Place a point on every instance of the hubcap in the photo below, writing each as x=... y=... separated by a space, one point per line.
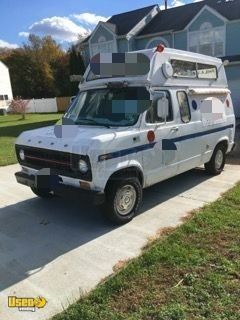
x=219 y=159
x=125 y=199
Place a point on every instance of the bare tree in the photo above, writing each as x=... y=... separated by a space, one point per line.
x=19 y=106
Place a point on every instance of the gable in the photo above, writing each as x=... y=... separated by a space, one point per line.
x=101 y=32
x=126 y=21
x=206 y=15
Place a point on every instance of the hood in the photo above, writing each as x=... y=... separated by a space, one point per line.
x=68 y=138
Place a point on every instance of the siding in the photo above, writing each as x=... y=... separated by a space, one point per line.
x=142 y=43
x=180 y=40
x=233 y=77
x=233 y=72
x=233 y=38
x=5 y=83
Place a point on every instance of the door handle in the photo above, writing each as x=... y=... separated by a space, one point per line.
x=174 y=129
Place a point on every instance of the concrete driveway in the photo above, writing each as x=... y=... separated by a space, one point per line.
x=60 y=248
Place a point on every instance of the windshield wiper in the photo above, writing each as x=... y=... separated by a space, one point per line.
x=92 y=121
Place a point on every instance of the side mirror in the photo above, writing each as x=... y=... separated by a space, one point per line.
x=72 y=98
x=163 y=108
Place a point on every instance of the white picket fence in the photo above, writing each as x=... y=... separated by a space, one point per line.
x=42 y=105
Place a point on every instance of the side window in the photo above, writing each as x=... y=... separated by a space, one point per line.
x=152 y=116
x=184 y=106
x=184 y=69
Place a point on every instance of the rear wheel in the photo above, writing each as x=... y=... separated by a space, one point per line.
x=42 y=192
x=217 y=162
x=123 y=199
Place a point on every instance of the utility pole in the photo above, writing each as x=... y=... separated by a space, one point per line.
x=165 y=2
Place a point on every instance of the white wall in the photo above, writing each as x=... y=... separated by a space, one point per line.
x=5 y=83
x=42 y=105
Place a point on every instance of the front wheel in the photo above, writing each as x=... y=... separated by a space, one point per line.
x=42 y=193
x=217 y=162
x=123 y=199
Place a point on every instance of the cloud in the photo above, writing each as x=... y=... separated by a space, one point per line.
x=5 y=44
x=88 y=18
x=60 y=28
x=173 y=4
x=24 y=34
x=177 y=3
x=65 y=29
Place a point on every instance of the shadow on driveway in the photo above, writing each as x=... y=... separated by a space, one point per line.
x=35 y=232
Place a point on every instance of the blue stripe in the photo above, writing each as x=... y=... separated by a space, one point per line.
x=200 y=134
x=122 y=153
x=167 y=144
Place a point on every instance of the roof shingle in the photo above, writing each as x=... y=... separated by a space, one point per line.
x=178 y=18
x=126 y=21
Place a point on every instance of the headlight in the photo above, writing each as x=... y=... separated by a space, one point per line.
x=83 y=166
x=21 y=154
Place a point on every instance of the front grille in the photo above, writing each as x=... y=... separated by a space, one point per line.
x=61 y=163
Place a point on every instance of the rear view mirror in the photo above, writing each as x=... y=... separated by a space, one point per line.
x=163 y=108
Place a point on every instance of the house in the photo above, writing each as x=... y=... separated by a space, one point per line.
x=210 y=27
x=5 y=85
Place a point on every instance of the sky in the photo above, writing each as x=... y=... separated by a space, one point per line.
x=64 y=20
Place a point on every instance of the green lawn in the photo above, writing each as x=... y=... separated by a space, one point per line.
x=192 y=272
x=12 y=125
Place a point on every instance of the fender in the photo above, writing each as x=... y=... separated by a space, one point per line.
x=224 y=139
x=107 y=172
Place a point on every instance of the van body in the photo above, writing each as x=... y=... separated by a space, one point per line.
x=134 y=123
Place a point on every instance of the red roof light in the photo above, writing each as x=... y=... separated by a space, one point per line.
x=160 y=48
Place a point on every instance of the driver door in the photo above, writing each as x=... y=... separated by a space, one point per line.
x=161 y=160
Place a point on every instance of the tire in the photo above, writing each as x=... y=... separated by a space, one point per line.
x=217 y=162
x=42 y=193
x=129 y=190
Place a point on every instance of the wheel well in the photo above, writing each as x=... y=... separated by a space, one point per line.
x=126 y=173
x=223 y=143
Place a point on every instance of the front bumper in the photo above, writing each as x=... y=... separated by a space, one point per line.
x=54 y=183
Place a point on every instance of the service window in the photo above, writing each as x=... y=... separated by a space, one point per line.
x=184 y=106
x=152 y=116
x=184 y=69
x=206 y=71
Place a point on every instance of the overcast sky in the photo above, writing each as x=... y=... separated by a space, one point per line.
x=64 y=20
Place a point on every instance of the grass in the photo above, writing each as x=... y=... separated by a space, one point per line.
x=12 y=125
x=192 y=272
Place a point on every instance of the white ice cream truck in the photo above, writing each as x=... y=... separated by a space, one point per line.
x=139 y=118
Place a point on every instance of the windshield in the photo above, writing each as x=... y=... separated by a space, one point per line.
x=109 y=106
